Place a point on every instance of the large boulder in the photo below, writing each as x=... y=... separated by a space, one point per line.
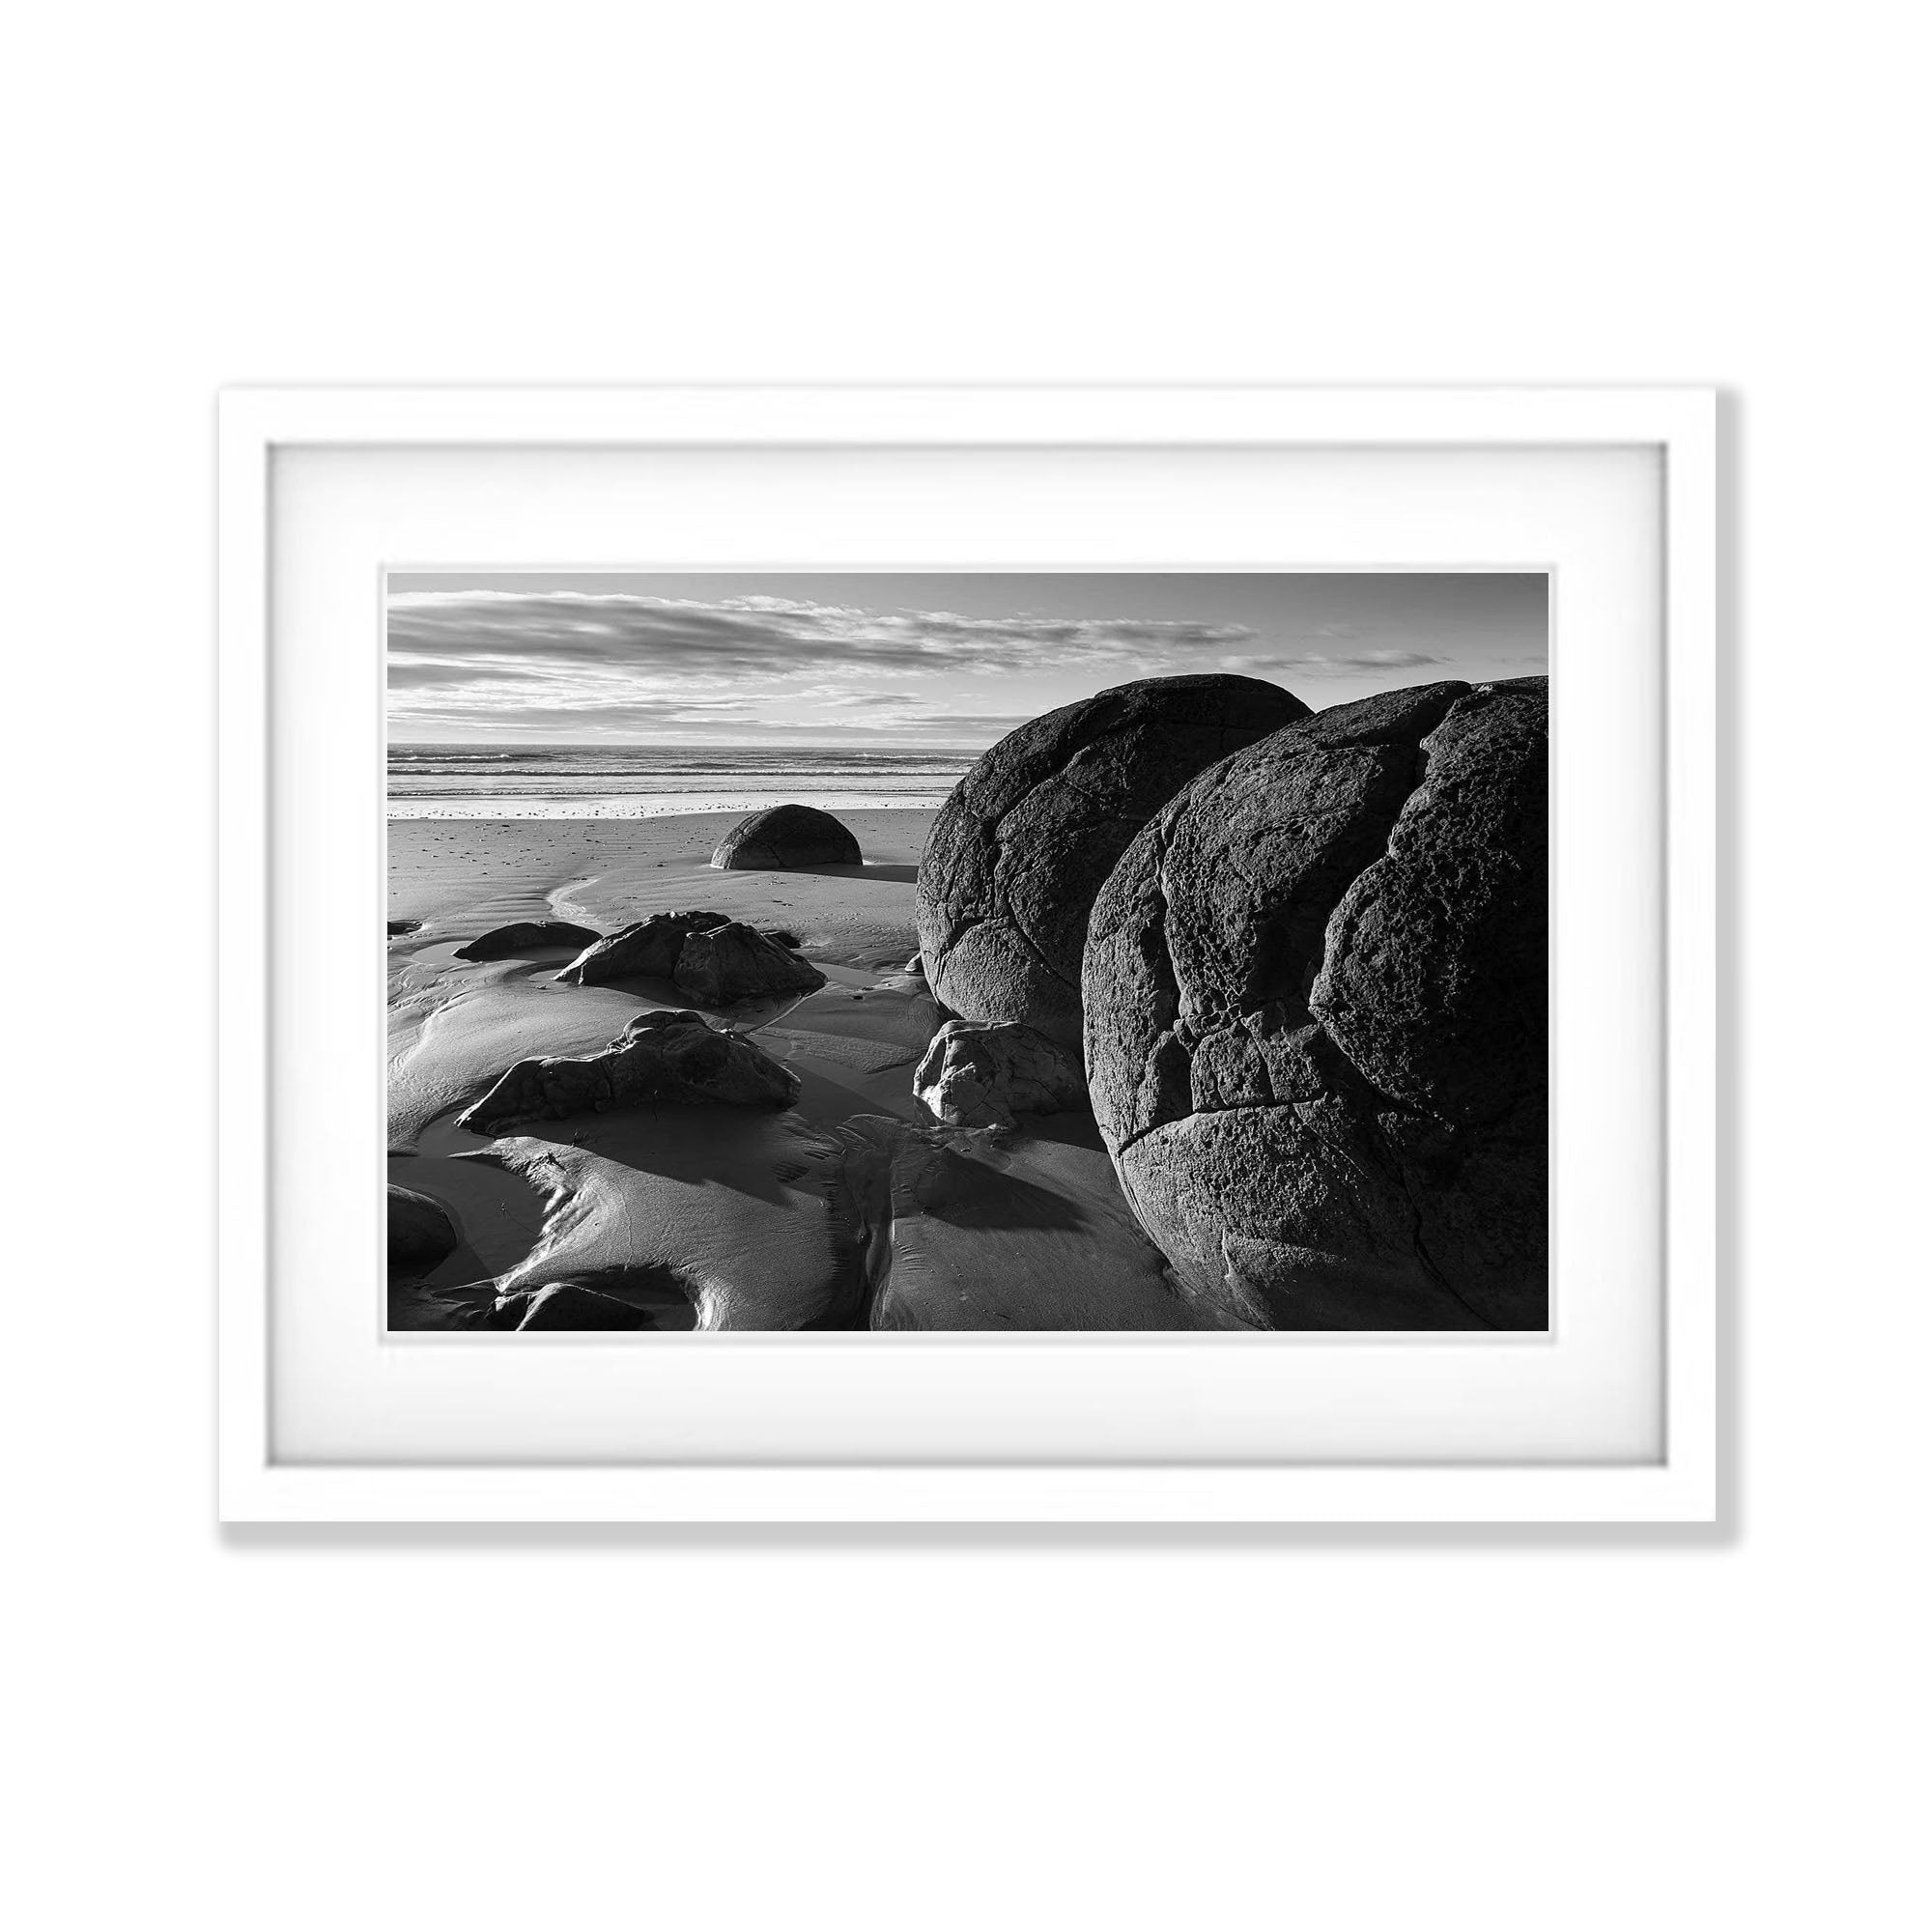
x=660 y=1058
x=421 y=1232
x=1025 y=838
x=723 y=964
x=1316 y=1018
x=648 y=948
x=783 y=839
x=986 y=1076
x=527 y=935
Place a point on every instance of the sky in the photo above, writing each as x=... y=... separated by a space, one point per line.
x=899 y=659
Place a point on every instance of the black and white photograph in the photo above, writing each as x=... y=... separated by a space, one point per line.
x=988 y=951
x=919 y=1022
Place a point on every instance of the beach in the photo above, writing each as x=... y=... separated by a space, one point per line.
x=851 y=1209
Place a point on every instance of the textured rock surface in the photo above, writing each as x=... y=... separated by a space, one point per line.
x=723 y=964
x=660 y=1057
x=648 y=949
x=509 y=942
x=784 y=837
x=976 y=1075
x=1028 y=835
x=1317 y=1017
x=421 y=1232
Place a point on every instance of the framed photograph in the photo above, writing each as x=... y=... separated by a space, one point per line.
x=968 y=955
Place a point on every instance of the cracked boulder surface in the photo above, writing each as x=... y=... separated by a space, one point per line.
x=783 y=837
x=1027 y=838
x=1316 y=990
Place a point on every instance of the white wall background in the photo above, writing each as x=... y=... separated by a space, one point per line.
x=423 y=1730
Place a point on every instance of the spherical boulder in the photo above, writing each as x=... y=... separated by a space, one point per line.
x=783 y=839
x=1020 y=847
x=1316 y=989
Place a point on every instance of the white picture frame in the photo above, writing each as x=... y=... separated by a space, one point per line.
x=879 y=435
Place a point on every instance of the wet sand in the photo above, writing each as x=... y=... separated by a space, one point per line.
x=850 y=1210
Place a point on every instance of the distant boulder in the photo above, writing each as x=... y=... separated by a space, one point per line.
x=984 y=1077
x=649 y=949
x=399 y=927
x=1024 y=839
x=723 y=964
x=661 y=1058
x=783 y=839
x=529 y=935
x=1316 y=1018
x=421 y=1232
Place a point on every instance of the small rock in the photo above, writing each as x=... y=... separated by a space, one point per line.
x=507 y=942
x=674 y=1058
x=648 y=948
x=785 y=838
x=399 y=927
x=727 y=963
x=421 y=1232
x=977 y=1075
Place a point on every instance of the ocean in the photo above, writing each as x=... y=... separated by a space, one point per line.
x=657 y=781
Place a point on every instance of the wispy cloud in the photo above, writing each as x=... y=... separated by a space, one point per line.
x=602 y=663
x=544 y=632
x=581 y=664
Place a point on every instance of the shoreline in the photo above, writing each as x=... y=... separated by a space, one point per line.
x=402 y=807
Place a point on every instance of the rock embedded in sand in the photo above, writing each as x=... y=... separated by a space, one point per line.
x=782 y=838
x=648 y=948
x=1317 y=1017
x=723 y=964
x=1029 y=835
x=399 y=927
x=660 y=1058
x=984 y=1077
x=421 y=1232
x=529 y=935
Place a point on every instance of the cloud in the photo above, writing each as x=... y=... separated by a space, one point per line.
x=1336 y=663
x=1362 y=664
x=537 y=633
